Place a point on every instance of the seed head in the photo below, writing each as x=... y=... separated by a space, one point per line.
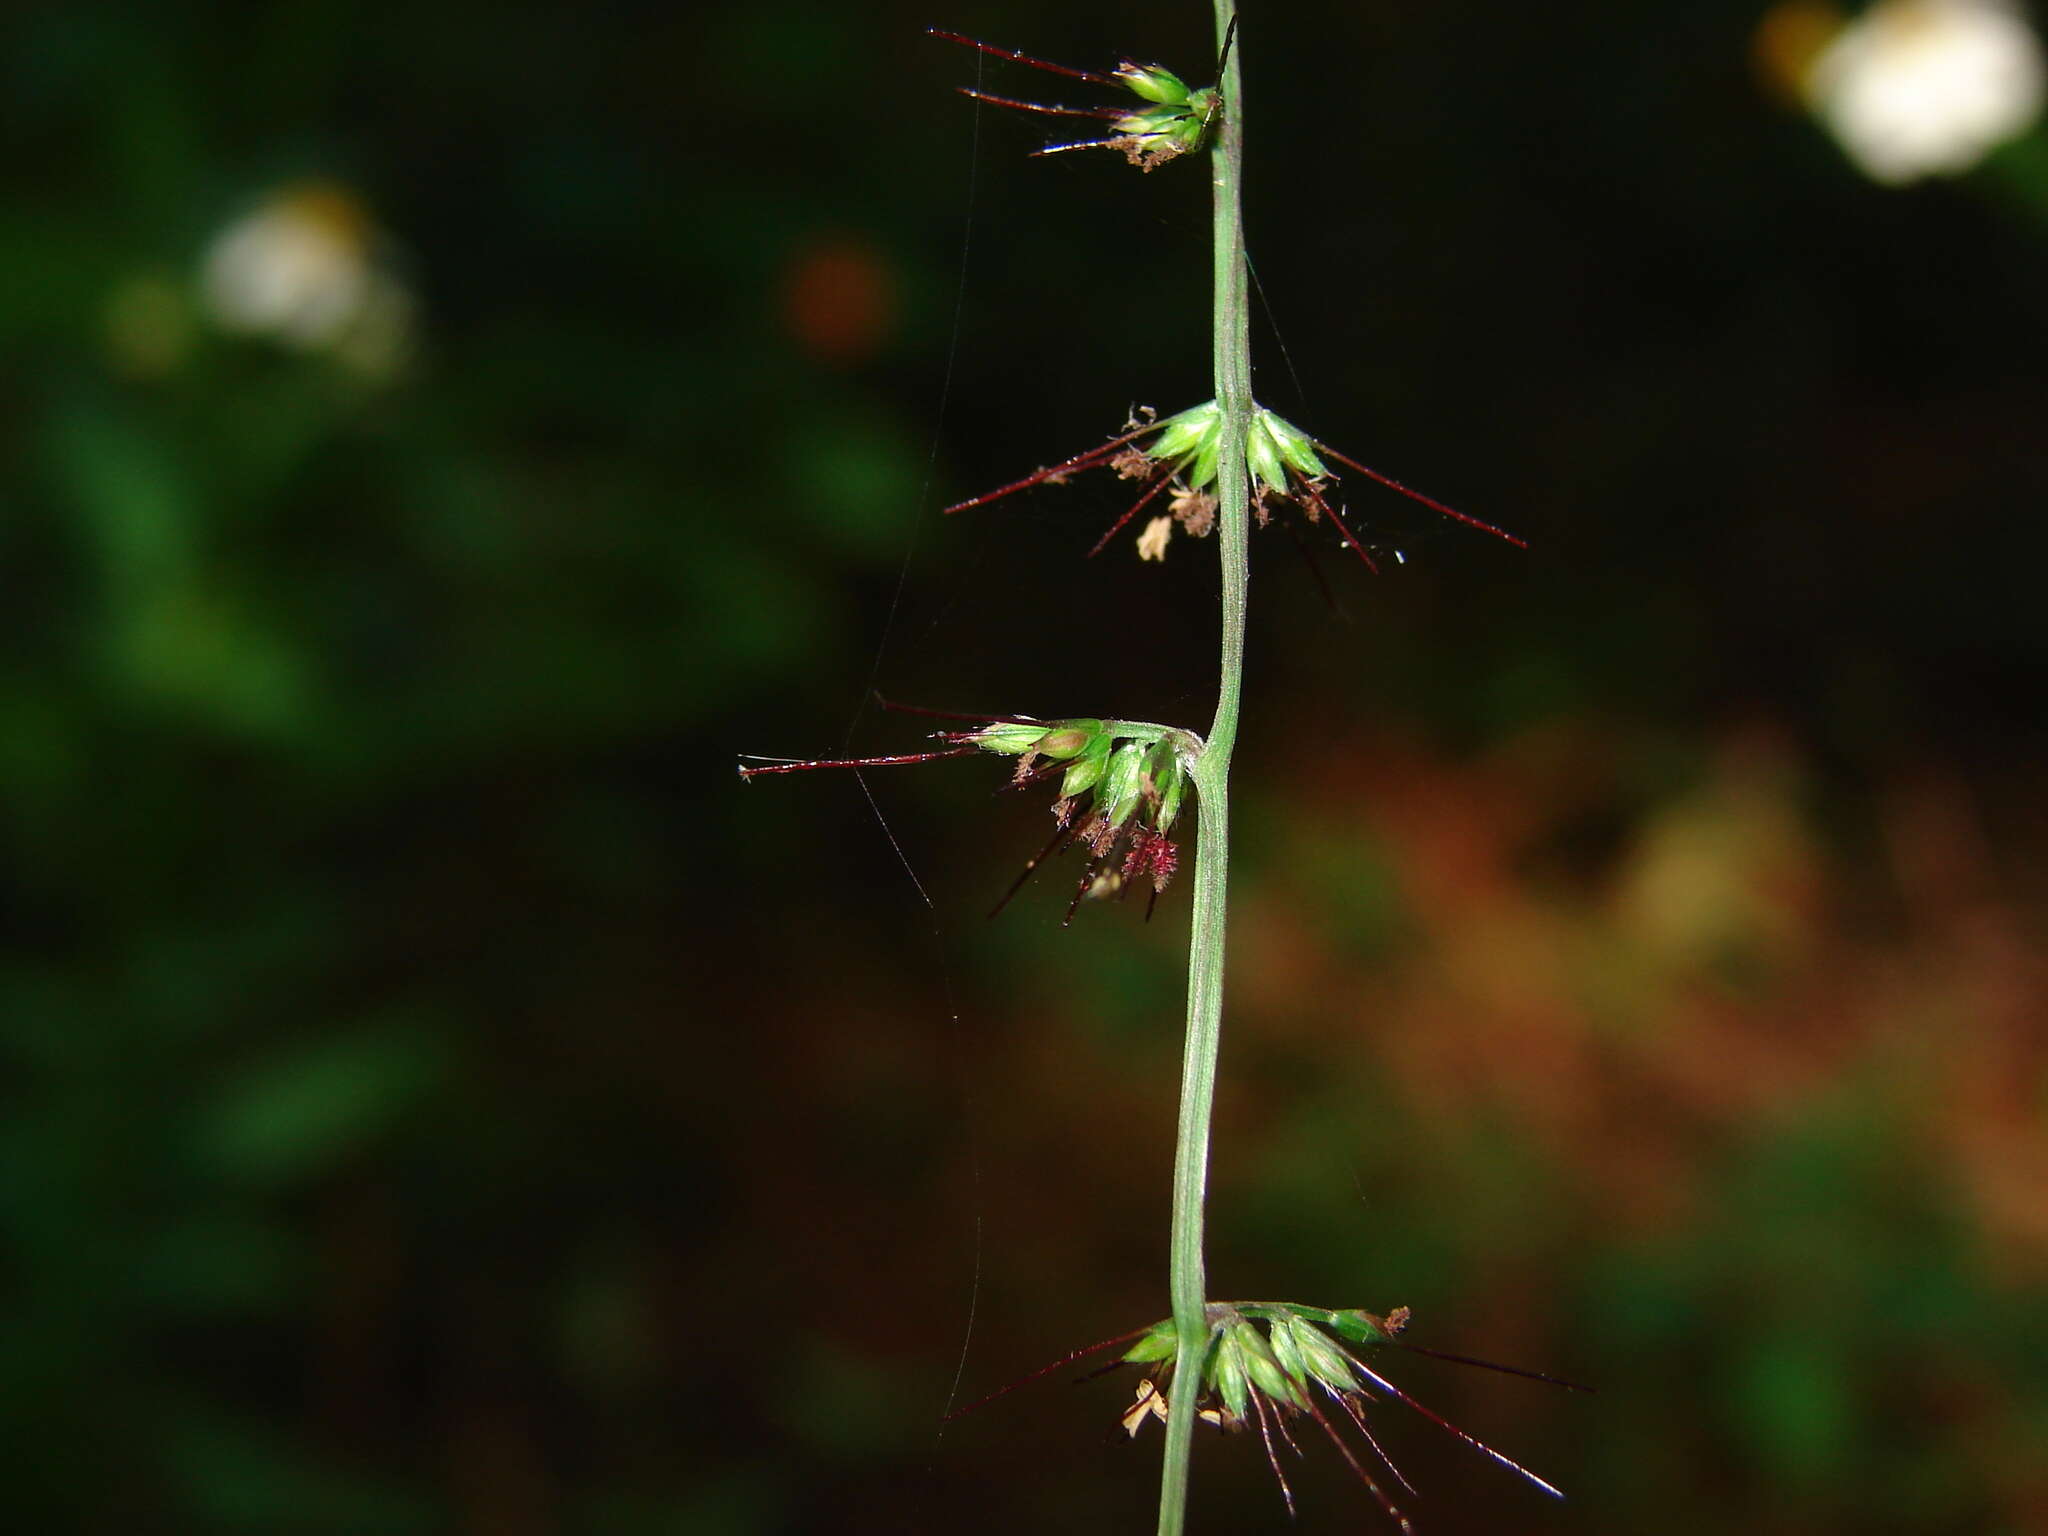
x=1271 y=1363
x=1180 y=456
x=1175 y=121
x=1121 y=790
x=1121 y=787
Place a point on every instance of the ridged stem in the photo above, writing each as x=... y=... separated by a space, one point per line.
x=1212 y=785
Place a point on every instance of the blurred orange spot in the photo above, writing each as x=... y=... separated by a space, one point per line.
x=839 y=300
x=1788 y=39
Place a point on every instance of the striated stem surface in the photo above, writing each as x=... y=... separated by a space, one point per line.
x=1212 y=783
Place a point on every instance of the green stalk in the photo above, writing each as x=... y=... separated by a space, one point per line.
x=1212 y=787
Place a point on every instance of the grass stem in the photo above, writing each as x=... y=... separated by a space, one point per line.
x=1232 y=320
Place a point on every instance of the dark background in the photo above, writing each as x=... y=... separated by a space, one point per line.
x=441 y=1098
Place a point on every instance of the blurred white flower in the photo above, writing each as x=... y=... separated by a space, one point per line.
x=304 y=270
x=1915 y=88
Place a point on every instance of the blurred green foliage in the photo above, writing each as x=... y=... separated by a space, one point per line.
x=439 y=1099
